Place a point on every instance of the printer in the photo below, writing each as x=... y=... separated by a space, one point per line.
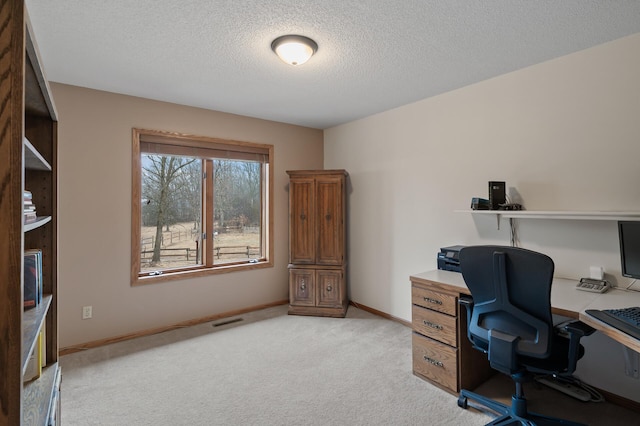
x=449 y=258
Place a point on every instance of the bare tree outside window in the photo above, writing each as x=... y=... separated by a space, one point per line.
x=171 y=211
x=236 y=213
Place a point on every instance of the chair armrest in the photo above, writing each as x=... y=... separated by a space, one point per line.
x=576 y=330
x=467 y=302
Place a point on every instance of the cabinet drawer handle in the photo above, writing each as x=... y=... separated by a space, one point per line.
x=432 y=325
x=433 y=361
x=434 y=301
x=328 y=288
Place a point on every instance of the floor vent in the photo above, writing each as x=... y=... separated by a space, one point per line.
x=231 y=321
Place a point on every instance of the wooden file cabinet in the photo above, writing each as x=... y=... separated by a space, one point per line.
x=442 y=353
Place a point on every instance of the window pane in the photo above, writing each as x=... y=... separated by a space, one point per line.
x=171 y=222
x=237 y=208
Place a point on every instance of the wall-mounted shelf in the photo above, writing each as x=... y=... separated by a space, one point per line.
x=556 y=214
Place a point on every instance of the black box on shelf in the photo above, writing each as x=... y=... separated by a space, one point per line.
x=497 y=194
x=478 y=203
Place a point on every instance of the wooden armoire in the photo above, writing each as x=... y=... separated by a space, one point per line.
x=317 y=234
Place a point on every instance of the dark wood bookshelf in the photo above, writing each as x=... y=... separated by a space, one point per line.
x=28 y=161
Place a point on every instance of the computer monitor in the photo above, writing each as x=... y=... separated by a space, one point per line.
x=629 y=235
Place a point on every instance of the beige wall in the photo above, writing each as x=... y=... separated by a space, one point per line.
x=564 y=135
x=95 y=214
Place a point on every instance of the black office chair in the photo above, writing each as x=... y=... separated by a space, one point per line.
x=510 y=320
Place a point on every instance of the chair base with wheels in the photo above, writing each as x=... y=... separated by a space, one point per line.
x=517 y=413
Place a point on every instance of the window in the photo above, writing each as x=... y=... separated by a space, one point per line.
x=199 y=206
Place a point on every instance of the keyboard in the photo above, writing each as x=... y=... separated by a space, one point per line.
x=626 y=320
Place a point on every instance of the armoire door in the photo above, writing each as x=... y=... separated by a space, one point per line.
x=330 y=220
x=302 y=241
x=302 y=287
x=329 y=288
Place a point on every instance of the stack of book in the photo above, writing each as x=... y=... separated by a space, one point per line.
x=29 y=207
x=32 y=278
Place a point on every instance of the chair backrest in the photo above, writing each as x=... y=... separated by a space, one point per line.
x=511 y=290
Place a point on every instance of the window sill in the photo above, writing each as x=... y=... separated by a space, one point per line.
x=202 y=272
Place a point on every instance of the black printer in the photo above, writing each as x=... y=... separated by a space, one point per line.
x=449 y=258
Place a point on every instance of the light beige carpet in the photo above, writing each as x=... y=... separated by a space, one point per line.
x=271 y=368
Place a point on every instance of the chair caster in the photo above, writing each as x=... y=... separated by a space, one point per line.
x=462 y=402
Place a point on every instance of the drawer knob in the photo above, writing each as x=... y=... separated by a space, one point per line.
x=434 y=301
x=432 y=325
x=328 y=288
x=433 y=361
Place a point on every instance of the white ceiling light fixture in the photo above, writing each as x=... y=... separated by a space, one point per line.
x=294 y=49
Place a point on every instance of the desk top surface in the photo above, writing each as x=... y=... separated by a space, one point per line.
x=565 y=300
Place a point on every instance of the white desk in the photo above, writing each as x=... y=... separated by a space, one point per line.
x=565 y=300
x=613 y=299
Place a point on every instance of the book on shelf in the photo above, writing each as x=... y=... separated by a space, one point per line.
x=54 y=407
x=43 y=347
x=34 y=365
x=32 y=278
x=31 y=373
x=29 y=209
x=30 y=217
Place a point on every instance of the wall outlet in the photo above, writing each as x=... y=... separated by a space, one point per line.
x=87 y=312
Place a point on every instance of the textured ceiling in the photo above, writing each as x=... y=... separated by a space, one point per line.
x=373 y=55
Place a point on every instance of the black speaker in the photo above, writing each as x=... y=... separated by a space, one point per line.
x=497 y=194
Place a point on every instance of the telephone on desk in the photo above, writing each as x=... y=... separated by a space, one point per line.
x=593 y=285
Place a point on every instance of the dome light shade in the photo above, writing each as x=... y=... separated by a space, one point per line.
x=294 y=49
